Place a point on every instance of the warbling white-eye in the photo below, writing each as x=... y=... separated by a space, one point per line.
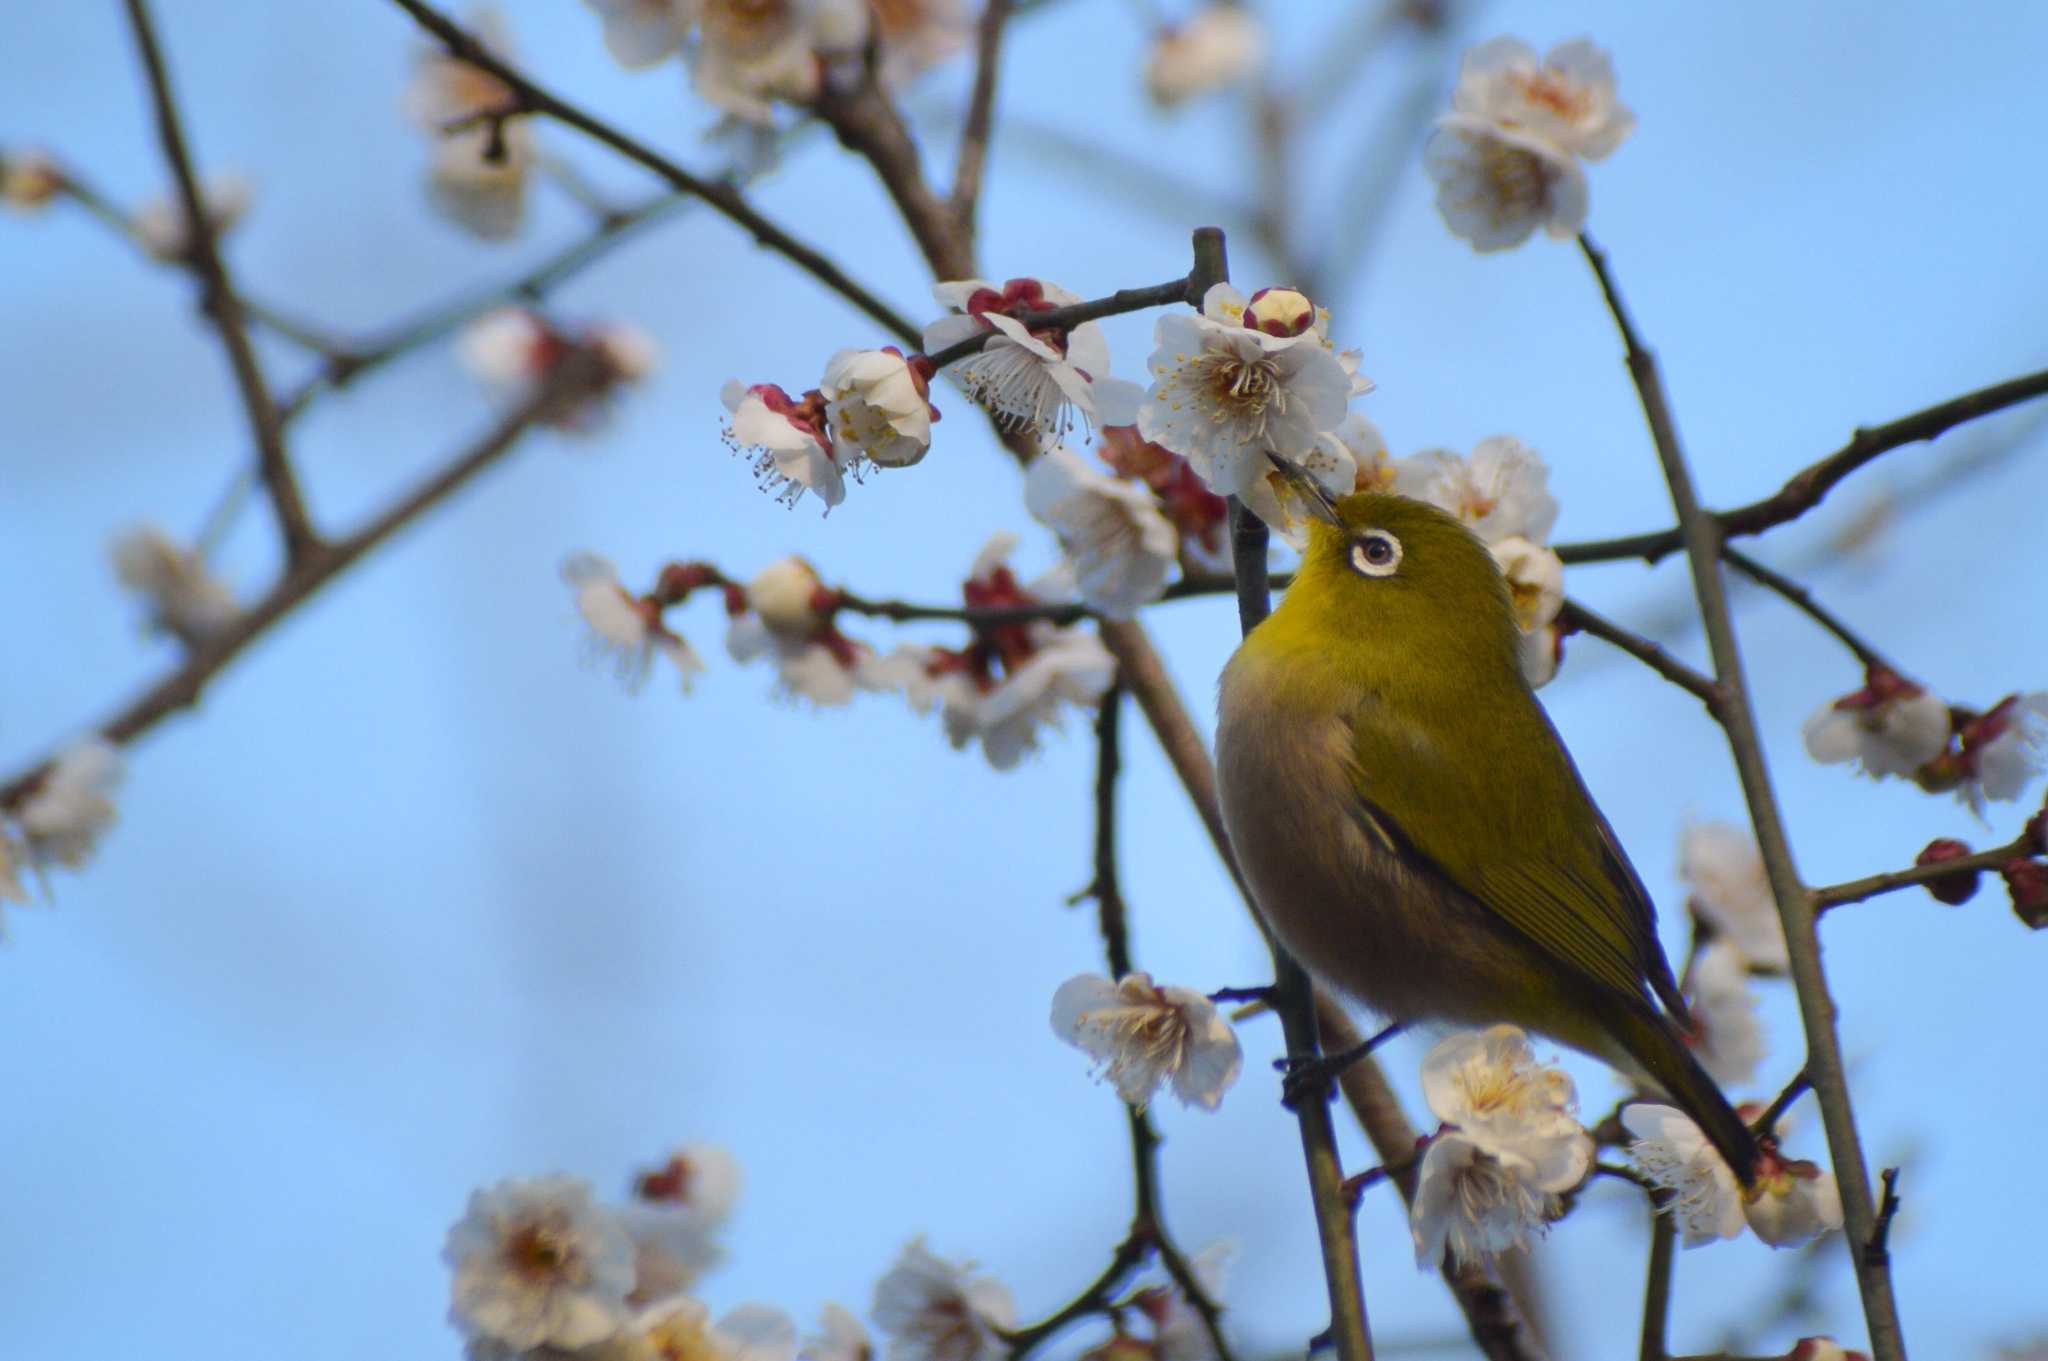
x=1412 y=827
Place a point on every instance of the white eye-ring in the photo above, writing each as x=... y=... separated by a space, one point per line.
x=1376 y=553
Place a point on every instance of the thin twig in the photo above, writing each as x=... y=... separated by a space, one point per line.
x=724 y=199
x=1856 y=890
x=981 y=106
x=1104 y=886
x=1767 y=1123
x=1806 y=488
x=182 y=688
x=1703 y=534
x=1577 y=616
x=1877 y=1250
x=1802 y=599
x=1657 y=1280
x=221 y=303
x=1066 y=318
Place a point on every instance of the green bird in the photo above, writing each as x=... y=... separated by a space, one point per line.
x=1410 y=823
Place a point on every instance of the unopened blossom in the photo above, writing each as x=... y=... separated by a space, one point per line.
x=539 y=1263
x=29 y=179
x=840 y=1337
x=1111 y=528
x=1730 y=891
x=1567 y=97
x=930 y=1309
x=1672 y=1152
x=1891 y=726
x=71 y=805
x=1495 y=185
x=1178 y=1330
x=789 y=441
x=1793 y=1202
x=2001 y=750
x=625 y=629
x=1031 y=378
x=789 y=619
x=482 y=160
x=877 y=406
x=1730 y=1039
x=1219 y=46
x=185 y=600
x=1501 y=489
x=673 y=1217
x=1478 y=1198
x=162 y=229
x=752 y=54
x=1827 y=1349
x=1224 y=395
x=643 y=33
x=681 y=1329
x=1143 y=1035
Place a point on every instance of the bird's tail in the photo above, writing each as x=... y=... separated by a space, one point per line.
x=1655 y=1044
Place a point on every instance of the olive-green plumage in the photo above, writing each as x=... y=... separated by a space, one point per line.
x=1410 y=823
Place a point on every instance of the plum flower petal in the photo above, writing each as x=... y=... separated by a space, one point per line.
x=185 y=599
x=877 y=408
x=539 y=1263
x=1730 y=1043
x=1496 y=184
x=72 y=805
x=930 y=1309
x=1144 y=1035
x=1793 y=1203
x=1219 y=46
x=624 y=629
x=643 y=33
x=1500 y=490
x=1674 y=1154
x=1724 y=871
x=1477 y=1199
x=1567 y=98
x=1121 y=546
x=1891 y=726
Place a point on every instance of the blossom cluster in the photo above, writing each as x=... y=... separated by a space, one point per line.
x=1893 y=726
x=1506 y=159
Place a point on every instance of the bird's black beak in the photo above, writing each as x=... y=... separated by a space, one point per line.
x=1316 y=500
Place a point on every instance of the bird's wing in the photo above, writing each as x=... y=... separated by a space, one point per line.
x=1514 y=827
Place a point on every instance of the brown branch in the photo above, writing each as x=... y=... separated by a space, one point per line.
x=183 y=687
x=1104 y=885
x=981 y=107
x=1703 y=535
x=868 y=124
x=1810 y=485
x=1856 y=890
x=1657 y=1280
x=220 y=302
x=1801 y=599
x=724 y=199
x=1577 y=616
x=1066 y=318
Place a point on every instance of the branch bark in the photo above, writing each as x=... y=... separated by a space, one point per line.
x=980 y=123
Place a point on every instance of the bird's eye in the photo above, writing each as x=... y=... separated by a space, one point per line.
x=1376 y=553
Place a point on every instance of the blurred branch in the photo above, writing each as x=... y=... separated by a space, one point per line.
x=981 y=106
x=183 y=687
x=1802 y=599
x=221 y=304
x=868 y=123
x=1856 y=890
x=1810 y=485
x=724 y=199
x=1703 y=535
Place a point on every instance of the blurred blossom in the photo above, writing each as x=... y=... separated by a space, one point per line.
x=29 y=179
x=1030 y=378
x=625 y=629
x=750 y=54
x=643 y=33
x=539 y=1263
x=1827 y=1349
x=1672 y=1152
x=840 y=1337
x=1793 y=1202
x=1535 y=579
x=681 y=1329
x=1567 y=98
x=1219 y=46
x=2001 y=750
x=1891 y=726
x=12 y=856
x=513 y=349
x=789 y=619
x=185 y=600
x=1724 y=872
x=1496 y=185
x=1121 y=546
x=930 y=1309
x=71 y=805
x=877 y=405
x=1178 y=1332
x=1143 y=1034
x=482 y=159
x=916 y=34
x=787 y=439
x=1500 y=490
x=1489 y=1084
x=163 y=230
x=1478 y=1199
x=1730 y=1041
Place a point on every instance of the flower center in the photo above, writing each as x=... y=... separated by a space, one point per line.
x=1562 y=97
x=1241 y=389
x=536 y=1253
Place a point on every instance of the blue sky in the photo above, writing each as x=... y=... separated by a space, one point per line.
x=416 y=901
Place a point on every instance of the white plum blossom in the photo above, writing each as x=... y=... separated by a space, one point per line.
x=1030 y=378
x=1730 y=1043
x=681 y=1329
x=29 y=179
x=1729 y=890
x=482 y=166
x=916 y=34
x=876 y=405
x=1891 y=726
x=1499 y=490
x=162 y=229
x=1220 y=45
x=840 y=1337
x=750 y=54
x=1144 y=1034
x=1567 y=98
x=1792 y=1203
x=511 y=349
x=813 y=659
x=1489 y=1084
x=2003 y=749
x=185 y=600
x=643 y=33
x=71 y=805
x=539 y=1263
x=1478 y=1198
x=1535 y=578
x=930 y=1309
x=625 y=629
x=1225 y=394
x=1496 y=185
x=1067 y=666
x=1673 y=1153
x=673 y=1217
x=1121 y=546
x=789 y=441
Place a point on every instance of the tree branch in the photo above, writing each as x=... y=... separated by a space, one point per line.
x=1657 y=1280
x=1577 y=616
x=724 y=199
x=1066 y=318
x=1703 y=534
x=1856 y=890
x=981 y=107
x=1802 y=599
x=220 y=302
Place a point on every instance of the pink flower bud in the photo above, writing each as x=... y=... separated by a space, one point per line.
x=1953 y=889
x=1281 y=312
x=2027 y=881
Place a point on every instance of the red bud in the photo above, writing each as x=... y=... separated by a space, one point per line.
x=2027 y=881
x=1955 y=888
